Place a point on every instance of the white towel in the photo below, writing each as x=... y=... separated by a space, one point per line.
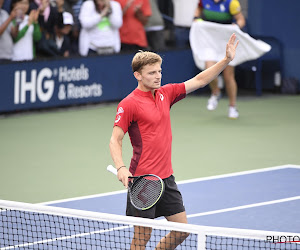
x=208 y=42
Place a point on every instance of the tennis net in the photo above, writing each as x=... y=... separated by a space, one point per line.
x=31 y=226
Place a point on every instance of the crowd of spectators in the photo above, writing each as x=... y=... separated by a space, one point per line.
x=32 y=29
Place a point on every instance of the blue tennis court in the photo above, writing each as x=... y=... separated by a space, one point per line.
x=264 y=199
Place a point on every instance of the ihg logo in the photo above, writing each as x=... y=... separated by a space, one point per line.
x=39 y=86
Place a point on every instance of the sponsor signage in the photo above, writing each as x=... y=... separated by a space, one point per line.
x=65 y=82
x=35 y=85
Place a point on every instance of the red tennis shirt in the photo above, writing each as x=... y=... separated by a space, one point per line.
x=149 y=127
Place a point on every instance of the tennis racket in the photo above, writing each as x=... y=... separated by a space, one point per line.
x=144 y=191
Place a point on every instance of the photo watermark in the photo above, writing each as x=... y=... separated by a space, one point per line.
x=283 y=238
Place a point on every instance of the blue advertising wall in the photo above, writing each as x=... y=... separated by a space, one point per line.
x=56 y=83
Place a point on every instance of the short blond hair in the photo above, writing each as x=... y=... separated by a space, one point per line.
x=143 y=58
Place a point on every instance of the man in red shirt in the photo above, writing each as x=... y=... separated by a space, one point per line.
x=135 y=16
x=145 y=115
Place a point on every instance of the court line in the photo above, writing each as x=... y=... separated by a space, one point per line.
x=244 y=207
x=83 y=197
x=255 y=171
x=179 y=183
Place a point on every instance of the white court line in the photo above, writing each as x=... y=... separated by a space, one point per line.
x=83 y=197
x=179 y=182
x=238 y=173
x=244 y=207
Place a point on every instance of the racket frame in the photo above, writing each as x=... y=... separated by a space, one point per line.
x=113 y=170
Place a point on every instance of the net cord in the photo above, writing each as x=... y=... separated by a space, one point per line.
x=201 y=231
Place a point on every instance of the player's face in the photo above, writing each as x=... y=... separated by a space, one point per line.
x=150 y=76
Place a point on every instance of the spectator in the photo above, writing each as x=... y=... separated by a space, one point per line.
x=155 y=28
x=224 y=12
x=183 y=19
x=6 y=28
x=135 y=17
x=62 y=38
x=26 y=31
x=49 y=17
x=73 y=7
x=100 y=23
x=74 y=36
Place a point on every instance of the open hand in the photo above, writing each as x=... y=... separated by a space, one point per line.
x=33 y=17
x=14 y=12
x=231 y=47
x=106 y=10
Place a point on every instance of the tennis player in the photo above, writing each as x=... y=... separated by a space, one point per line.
x=145 y=115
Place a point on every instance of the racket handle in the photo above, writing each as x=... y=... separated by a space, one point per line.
x=112 y=169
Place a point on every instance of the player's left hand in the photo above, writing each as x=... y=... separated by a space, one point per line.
x=231 y=47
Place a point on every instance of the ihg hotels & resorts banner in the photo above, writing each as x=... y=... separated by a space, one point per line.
x=43 y=84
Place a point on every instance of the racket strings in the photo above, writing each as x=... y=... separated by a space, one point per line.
x=146 y=191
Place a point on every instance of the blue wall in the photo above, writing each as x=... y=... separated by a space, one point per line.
x=56 y=83
x=280 y=19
